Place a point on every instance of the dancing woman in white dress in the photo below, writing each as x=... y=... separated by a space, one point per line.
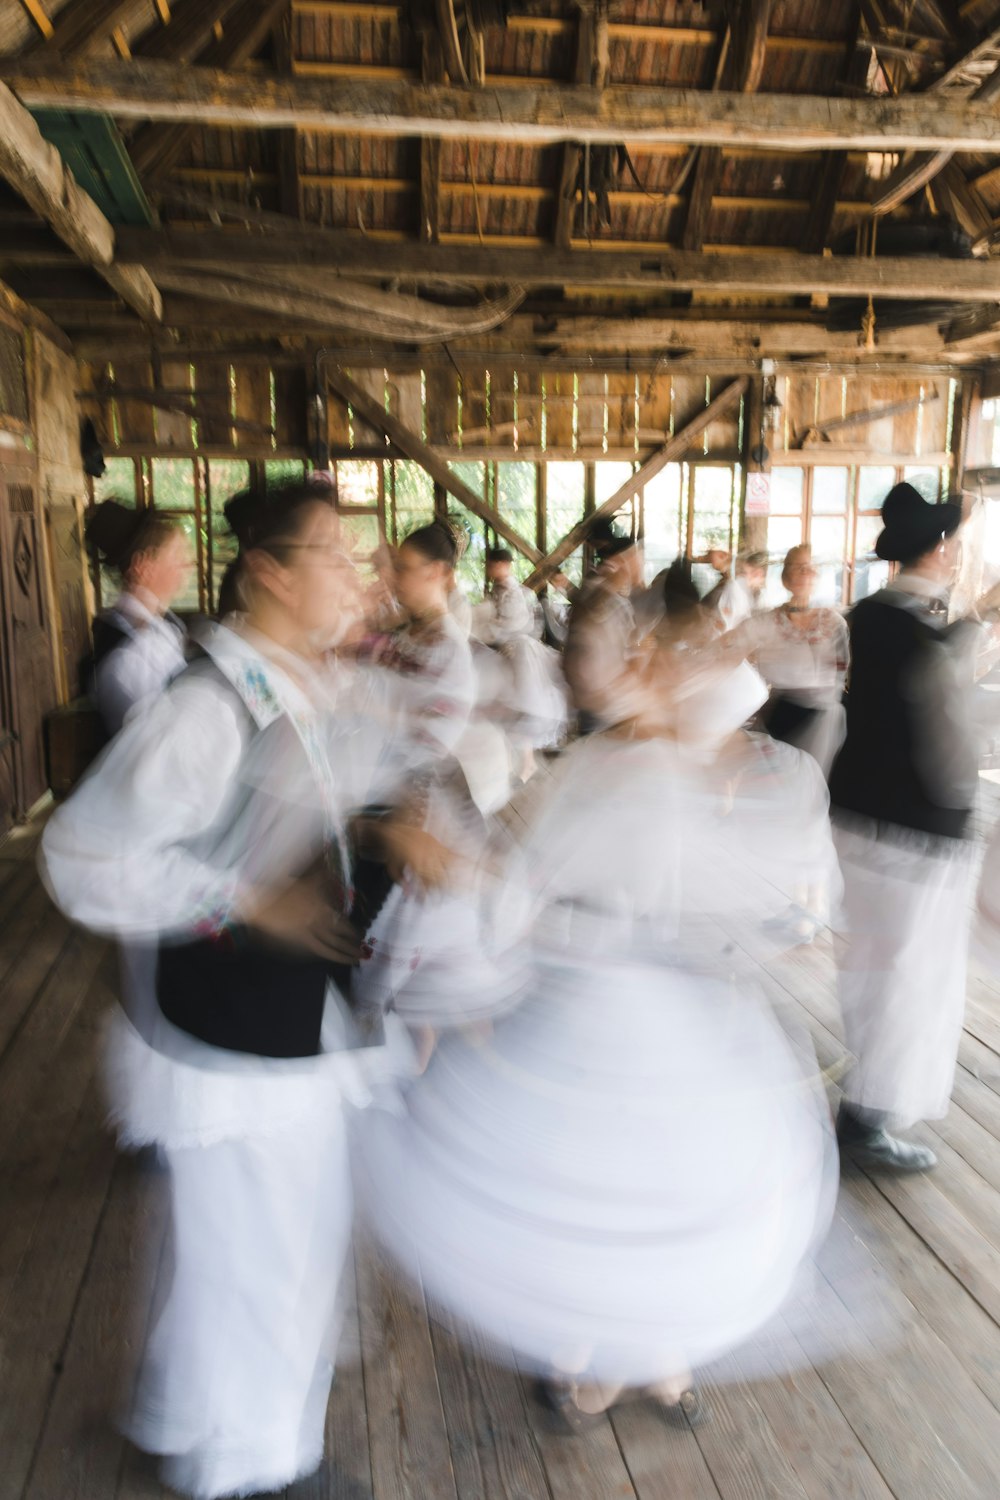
x=620 y=1179
x=210 y=840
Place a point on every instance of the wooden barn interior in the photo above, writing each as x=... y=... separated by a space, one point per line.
x=724 y=269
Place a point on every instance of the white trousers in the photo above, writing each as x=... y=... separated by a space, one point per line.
x=237 y=1371
x=902 y=973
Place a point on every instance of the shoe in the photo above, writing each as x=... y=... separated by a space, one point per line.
x=558 y=1398
x=687 y=1411
x=864 y=1139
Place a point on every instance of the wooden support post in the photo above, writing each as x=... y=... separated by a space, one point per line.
x=35 y=169
x=414 y=447
x=673 y=449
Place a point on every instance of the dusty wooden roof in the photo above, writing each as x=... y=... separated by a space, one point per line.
x=465 y=216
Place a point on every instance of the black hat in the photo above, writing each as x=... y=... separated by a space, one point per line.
x=912 y=524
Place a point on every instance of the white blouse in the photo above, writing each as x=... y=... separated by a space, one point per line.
x=143 y=665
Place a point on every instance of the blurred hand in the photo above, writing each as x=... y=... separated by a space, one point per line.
x=414 y=857
x=302 y=916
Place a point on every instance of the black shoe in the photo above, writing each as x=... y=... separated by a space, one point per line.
x=687 y=1411
x=558 y=1400
x=865 y=1140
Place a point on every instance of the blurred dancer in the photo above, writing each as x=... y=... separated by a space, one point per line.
x=138 y=643
x=211 y=842
x=601 y=636
x=621 y=1177
x=802 y=653
x=737 y=594
x=902 y=789
x=529 y=693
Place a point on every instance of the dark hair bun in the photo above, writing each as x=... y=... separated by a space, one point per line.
x=113 y=529
x=436 y=542
x=257 y=517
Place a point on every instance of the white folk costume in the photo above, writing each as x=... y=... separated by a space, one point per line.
x=138 y=651
x=232 y=1057
x=805 y=668
x=601 y=639
x=452 y=769
x=902 y=790
x=621 y=1177
x=525 y=689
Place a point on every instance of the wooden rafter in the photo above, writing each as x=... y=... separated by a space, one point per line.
x=672 y=450
x=746 y=54
x=539 y=114
x=919 y=169
x=834 y=163
x=649 y=270
x=432 y=71
x=289 y=187
x=155 y=149
x=410 y=443
x=35 y=169
x=590 y=66
x=40 y=17
x=83 y=26
x=192 y=23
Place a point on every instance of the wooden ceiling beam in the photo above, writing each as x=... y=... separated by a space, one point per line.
x=35 y=169
x=544 y=114
x=652 y=269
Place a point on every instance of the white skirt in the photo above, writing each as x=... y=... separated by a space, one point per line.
x=623 y=1179
x=902 y=971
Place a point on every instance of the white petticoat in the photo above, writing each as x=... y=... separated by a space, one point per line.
x=623 y=1179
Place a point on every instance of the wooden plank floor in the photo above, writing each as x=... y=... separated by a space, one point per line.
x=416 y=1415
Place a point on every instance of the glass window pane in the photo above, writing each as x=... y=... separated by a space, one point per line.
x=874 y=483
x=783 y=532
x=283 y=470
x=927 y=481
x=828 y=536
x=414 y=497
x=787 y=488
x=357 y=482
x=516 y=499
x=117 y=482
x=471 y=473
x=829 y=491
x=662 y=519
x=609 y=477
x=714 y=493
x=173 y=484
x=359 y=536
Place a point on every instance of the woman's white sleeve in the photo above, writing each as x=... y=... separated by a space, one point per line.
x=114 y=856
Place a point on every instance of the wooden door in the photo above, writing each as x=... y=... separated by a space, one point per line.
x=29 y=689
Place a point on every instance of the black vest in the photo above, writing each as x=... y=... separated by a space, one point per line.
x=233 y=990
x=877 y=774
